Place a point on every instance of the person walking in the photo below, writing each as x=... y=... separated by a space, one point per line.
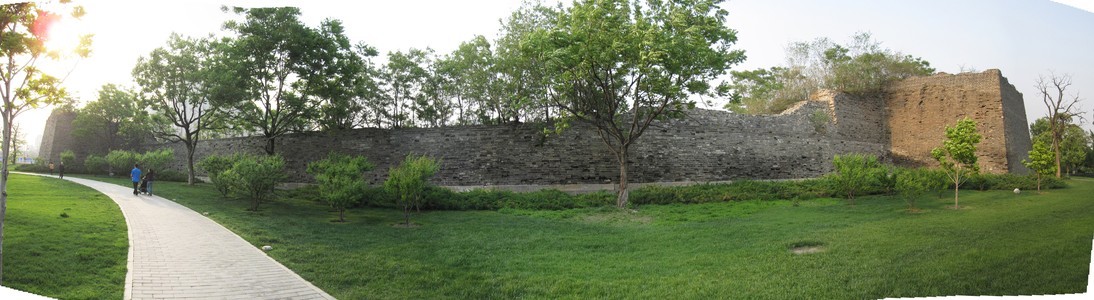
x=136 y=176
x=51 y=168
x=148 y=181
x=61 y=170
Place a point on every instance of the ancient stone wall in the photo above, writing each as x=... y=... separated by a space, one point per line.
x=920 y=109
x=57 y=136
x=705 y=146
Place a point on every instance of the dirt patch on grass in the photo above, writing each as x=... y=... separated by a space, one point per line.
x=807 y=250
x=807 y=247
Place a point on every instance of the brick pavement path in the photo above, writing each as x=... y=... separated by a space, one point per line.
x=176 y=253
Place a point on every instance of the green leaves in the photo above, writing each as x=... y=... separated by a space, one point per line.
x=408 y=181
x=340 y=178
x=957 y=156
x=254 y=177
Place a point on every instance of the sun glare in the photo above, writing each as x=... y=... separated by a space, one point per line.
x=64 y=35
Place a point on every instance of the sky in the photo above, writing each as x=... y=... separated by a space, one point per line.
x=1022 y=38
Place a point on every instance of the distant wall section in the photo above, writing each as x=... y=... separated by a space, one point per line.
x=57 y=136
x=921 y=108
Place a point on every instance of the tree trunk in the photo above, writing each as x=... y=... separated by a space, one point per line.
x=269 y=145
x=1056 y=147
x=4 y=184
x=342 y=215
x=1038 y=183
x=956 y=184
x=621 y=197
x=190 y=163
x=406 y=214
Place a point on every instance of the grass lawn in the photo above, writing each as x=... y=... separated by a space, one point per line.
x=63 y=240
x=998 y=244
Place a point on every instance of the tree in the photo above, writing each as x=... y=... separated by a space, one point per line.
x=24 y=29
x=255 y=177
x=1061 y=108
x=180 y=82
x=957 y=156
x=912 y=184
x=340 y=77
x=341 y=180
x=269 y=58
x=155 y=159
x=18 y=139
x=619 y=66
x=404 y=75
x=409 y=180
x=1074 y=142
x=112 y=122
x=855 y=173
x=1041 y=161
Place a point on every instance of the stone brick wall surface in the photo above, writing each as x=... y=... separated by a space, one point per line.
x=57 y=136
x=921 y=108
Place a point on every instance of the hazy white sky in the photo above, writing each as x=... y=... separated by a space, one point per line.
x=1023 y=38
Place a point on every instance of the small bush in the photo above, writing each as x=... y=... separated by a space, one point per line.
x=120 y=161
x=408 y=182
x=858 y=174
x=341 y=180
x=68 y=158
x=156 y=159
x=1010 y=181
x=214 y=166
x=172 y=175
x=912 y=184
x=255 y=177
x=95 y=164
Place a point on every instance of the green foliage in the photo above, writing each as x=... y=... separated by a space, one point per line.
x=855 y=173
x=254 y=177
x=407 y=183
x=156 y=159
x=121 y=161
x=1042 y=161
x=860 y=67
x=340 y=178
x=957 y=156
x=214 y=166
x=114 y=121
x=618 y=65
x=69 y=159
x=1006 y=182
x=95 y=164
x=912 y=184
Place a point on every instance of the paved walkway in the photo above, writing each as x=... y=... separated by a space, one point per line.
x=176 y=253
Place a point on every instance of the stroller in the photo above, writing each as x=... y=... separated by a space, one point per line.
x=143 y=187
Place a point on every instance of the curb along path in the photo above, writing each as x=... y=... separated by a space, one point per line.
x=175 y=252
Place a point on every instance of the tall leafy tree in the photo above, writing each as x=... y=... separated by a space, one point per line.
x=179 y=83
x=1061 y=108
x=23 y=32
x=269 y=57
x=519 y=89
x=404 y=75
x=1074 y=142
x=339 y=78
x=620 y=65
x=114 y=121
x=957 y=155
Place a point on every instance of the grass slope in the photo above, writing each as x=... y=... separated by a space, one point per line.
x=81 y=256
x=1000 y=244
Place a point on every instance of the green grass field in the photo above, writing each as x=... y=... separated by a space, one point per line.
x=81 y=255
x=998 y=244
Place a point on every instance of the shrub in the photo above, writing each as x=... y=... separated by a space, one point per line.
x=407 y=183
x=155 y=159
x=68 y=158
x=255 y=177
x=340 y=179
x=120 y=161
x=1010 y=182
x=39 y=166
x=856 y=174
x=96 y=164
x=214 y=166
x=912 y=184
